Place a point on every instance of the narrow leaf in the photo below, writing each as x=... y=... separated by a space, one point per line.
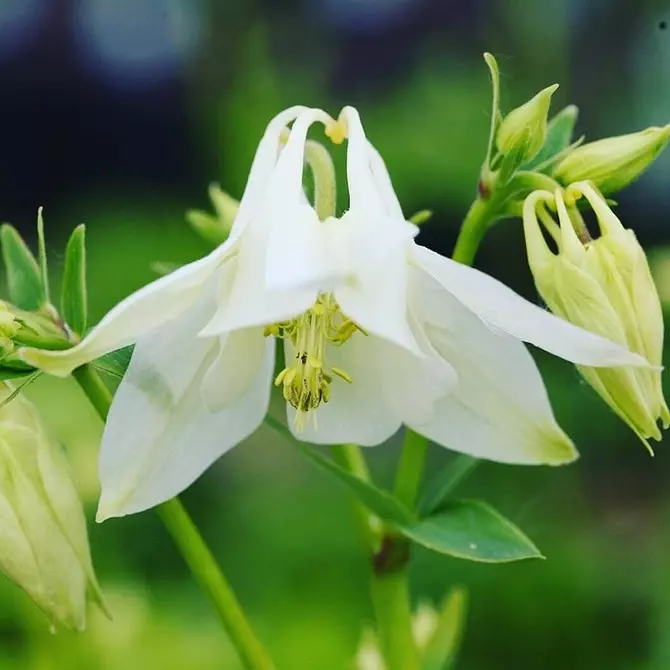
x=42 y=254
x=559 y=136
x=7 y=373
x=21 y=387
x=472 y=530
x=441 y=486
x=378 y=501
x=115 y=363
x=442 y=647
x=73 y=291
x=24 y=282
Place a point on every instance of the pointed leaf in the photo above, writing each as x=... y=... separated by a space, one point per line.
x=115 y=363
x=472 y=530
x=378 y=501
x=559 y=136
x=442 y=647
x=7 y=373
x=73 y=291
x=24 y=281
x=42 y=253
x=446 y=480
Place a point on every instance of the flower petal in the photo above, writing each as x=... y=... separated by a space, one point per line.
x=504 y=310
x=160 y=436
x=501 y=410
x=356 y=412
x=262 y=167
x=382 y=180
x=138 y=314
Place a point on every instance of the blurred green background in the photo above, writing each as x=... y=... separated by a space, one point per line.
x=119 y=113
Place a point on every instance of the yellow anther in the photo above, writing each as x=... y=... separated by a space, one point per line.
x=336 y=131
x=306 y=382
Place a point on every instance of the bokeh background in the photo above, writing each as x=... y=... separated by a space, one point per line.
x=119 y=113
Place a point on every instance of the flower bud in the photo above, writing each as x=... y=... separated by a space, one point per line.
x=8 y=329
x=605 y=286
x=215 y=229
x=524 y=130
x=613 y=163
x=43 y=540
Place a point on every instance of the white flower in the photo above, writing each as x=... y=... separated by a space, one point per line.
x=378 y=332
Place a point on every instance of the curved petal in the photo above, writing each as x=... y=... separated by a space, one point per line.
x=160 y=436
x=376 y=299
x=141 y=312
x=382 y=179
x=500 y=410
x=356 y=412
x=262 y=167
x=504 y=310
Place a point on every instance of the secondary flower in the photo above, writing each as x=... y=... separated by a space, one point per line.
x=43 y=540
x=603 y=285
x=377 y=332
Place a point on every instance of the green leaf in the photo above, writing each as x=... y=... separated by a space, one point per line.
x=73 y=291
x=42 y=253
x=24 y=281
x=7 y=373
x=33 y=376
x=559 y=136
x=115 y=363
x=472 y=530
x=443 y=645
x=378 y=501
x=441 y=486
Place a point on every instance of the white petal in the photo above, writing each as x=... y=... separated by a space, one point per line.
x=356 y=412
x=138 y=314
x=160 y=436
x=500 y=410
x=384 y=186
x=504 y=310
x=249 y=303
x=262 y=167
x=235 y=369
x=413 y=385
x=376 y=299
x=363 y=194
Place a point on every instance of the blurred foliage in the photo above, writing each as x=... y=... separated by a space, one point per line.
x=280 y=528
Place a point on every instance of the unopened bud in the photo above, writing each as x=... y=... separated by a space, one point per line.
x=43 y=540
x=605 y=286
x=524 y=130
x=613 y=163
x=9 y=327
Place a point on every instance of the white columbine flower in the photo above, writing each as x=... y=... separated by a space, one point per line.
x=377 y=331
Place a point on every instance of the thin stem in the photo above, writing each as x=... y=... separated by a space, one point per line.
x=350 y=457
x=410 y=469
x=474 y=227
x=390 y=597
x=193 y=548
x=207 y=573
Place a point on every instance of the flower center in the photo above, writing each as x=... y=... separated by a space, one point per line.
x=306 y=382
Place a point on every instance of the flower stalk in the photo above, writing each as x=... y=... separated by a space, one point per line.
x=192 y=547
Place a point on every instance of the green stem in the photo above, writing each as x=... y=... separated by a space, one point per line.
x=390 y=597
x=475 y=225
x=193 y=548
x=410 y=468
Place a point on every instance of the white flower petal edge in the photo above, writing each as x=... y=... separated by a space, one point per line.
x=504 y=310
x=164 y=299
x=500 y=410
x=161 y=434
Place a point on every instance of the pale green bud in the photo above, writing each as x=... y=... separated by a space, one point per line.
x=9 y=327
x=524 y=130
x=215 y=229
x=613 y=163
x=604 y=286
x=43 y=540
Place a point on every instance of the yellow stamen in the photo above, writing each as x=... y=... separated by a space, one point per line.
x=306 y=382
